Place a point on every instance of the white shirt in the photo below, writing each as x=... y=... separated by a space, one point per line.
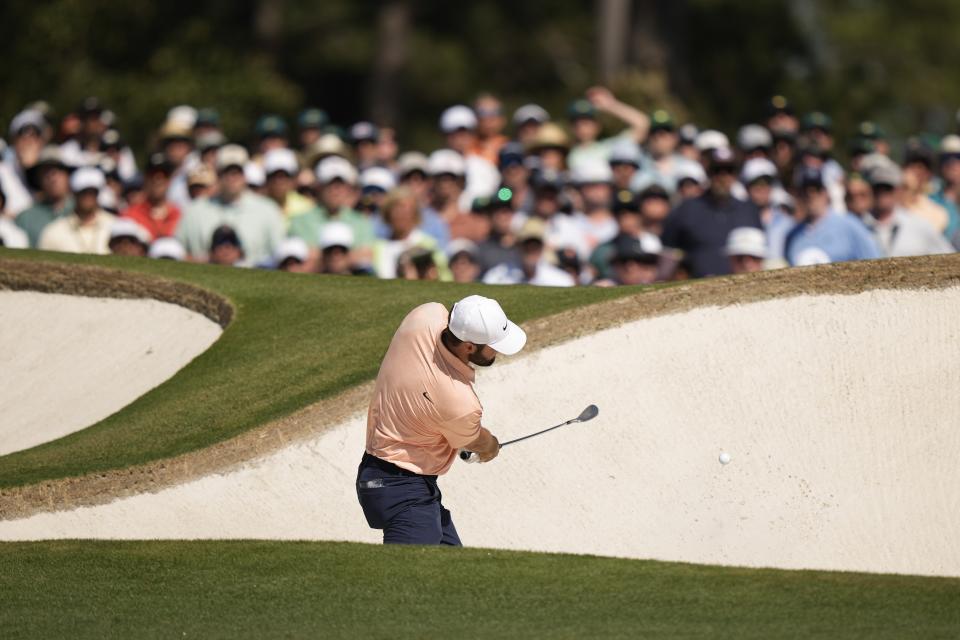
x=68 y=235
x=905 y=234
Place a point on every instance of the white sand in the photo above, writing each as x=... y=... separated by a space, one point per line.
x=67 y=362
x=840 y=414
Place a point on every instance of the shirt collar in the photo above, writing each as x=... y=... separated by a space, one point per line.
x=453 y=361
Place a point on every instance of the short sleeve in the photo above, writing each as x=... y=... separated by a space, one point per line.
x=461 y=431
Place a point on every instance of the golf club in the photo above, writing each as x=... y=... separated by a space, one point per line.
x=587 y=414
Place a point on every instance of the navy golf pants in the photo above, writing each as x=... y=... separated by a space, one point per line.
x=404 y=504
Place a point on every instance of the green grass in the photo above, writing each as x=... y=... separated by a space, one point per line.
x=294 y=340
x=339 y=590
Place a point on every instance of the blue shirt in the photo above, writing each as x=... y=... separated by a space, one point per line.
x=834 y=238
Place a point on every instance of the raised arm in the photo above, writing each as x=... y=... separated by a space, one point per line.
x=604 y=100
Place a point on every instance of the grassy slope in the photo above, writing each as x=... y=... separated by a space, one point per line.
x=264 y=589
x=295 y=339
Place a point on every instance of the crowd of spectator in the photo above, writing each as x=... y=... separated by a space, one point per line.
x=519 y=199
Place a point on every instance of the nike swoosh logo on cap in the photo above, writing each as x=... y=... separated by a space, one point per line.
x=505 y=325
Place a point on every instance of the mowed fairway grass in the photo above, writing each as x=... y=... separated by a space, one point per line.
x=294 y=339
x=340 y=590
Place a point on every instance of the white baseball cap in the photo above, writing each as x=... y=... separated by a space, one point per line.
x=446 y=161
x=231 y=155
x=747 y=241
x=169 y=248
x=184 y=115
x=756 y=168
x=690 y=170
x=377 y=178
x=530 y=113
x=254 y=174
x=87 y=178
x=593 y=171
x=280 y=160
x=292 y=247
x=482 y=321
x=127 y=228
x=458 y=117
x=336 y=234
x=336 y=168
x=711 y=139
x=26 y=118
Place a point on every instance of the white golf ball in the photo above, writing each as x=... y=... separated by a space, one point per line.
x=724 y=458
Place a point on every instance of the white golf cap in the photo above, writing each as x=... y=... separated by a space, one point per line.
x=446 y=161
x=593 y=171
x=184 y=115
x=711 y=139
x=756 y=168
x=461 y=245
x=754 y=136
x=167 y=248
x=336 y=168
x=747 y=241
x=625 y=153
x=231 y=155
x=530 y=113
x=26 y=118
x=280 y=160
x=411 y=161
x=482 y=321
x=336 y=234
x=254 y=174
x=458 y=117
x=377 y=178
x=690 y=170
x=87 y=178
x=288 y=248
x=127 y=228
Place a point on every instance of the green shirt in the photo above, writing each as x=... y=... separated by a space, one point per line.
x=257 y=220
x=307 y=226
x=34 y=219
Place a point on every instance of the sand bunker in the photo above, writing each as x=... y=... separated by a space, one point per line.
x=67 y=362
x=840 y=414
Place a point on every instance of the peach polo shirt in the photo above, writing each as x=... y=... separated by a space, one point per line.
x=424 y=407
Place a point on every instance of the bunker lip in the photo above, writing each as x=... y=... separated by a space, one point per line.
x=930 y=272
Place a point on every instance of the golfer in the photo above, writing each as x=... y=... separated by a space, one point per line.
x=423 y=410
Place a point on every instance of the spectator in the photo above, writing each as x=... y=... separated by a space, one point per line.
x=459 y=127
x=447 y=170
x=87 y=228
x=201 y=182
x=292 y=255
x=500 y=245
x=336 y=243
x=490 y=124
x=281 y=168
x=26 y=144
x=83 y=148
x=515 y=176
x=747 y=249
x=463 y=256
x=176 y=143
x=687 y=143
x=550 y=207
x=549 y=146
x=387 y=148
x=754 y=141
x=627 y=209
x=858 y=197
x=412 y=174
x=691 y=180
x=167 y=249
x=759 y=176
x=112 y=147
x=255 y=177
x=527 y=121
x=586 y=127
x=624 y=163
x=654 y=204
x=534 y=267
x=127 y=238
x=207 y=123
x=272 y=133
x=337 y=198
x=310 y=124
x=698 y=228
x=817 y=130
x=872 y=133
x=364 y=136
x=823 y=235
x=257 y=221
x=781 y=116
x=401 y=213
x=208 y=144
x=635 y=260
x=11 y=236
x=417 y=263
x=156 y=215
x=225 y=248
x=917 y=175
x=899 y=233
x=54 y=202
x=375 y=182
x=663 y=160
x=948 y=196
x=593 y=179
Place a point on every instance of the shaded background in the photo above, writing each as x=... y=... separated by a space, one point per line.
x=400 y=62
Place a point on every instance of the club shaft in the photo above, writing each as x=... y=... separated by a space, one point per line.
x=503 y=444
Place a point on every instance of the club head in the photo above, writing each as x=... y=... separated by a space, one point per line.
x=588 y=414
